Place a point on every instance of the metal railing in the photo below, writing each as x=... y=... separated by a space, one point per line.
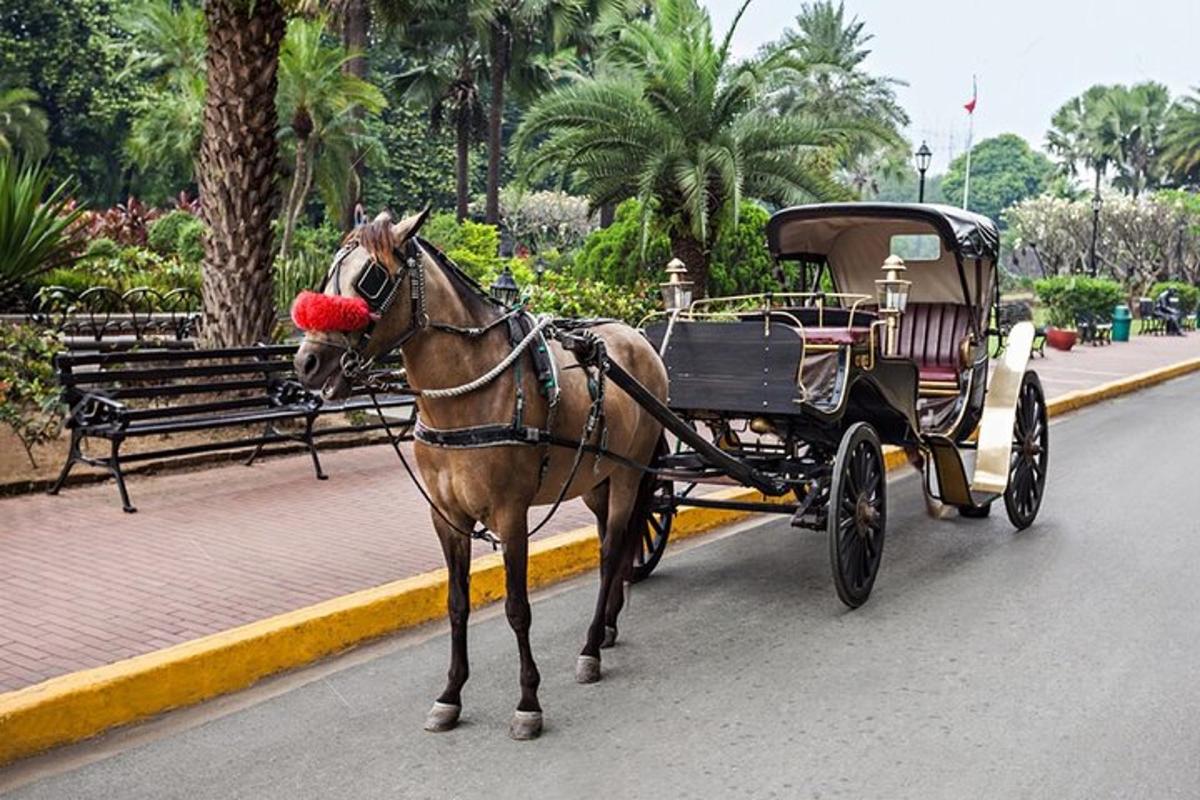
x=100 y=312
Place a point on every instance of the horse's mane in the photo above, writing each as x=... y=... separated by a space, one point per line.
x=380 y=242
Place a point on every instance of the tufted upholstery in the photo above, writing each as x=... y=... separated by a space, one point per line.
x=930 y=334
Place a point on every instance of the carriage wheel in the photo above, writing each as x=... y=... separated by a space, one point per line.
x=1030 y=455
x=857 y=514
x=653 y=540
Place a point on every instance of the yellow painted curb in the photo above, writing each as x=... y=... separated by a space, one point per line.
x=81 y=704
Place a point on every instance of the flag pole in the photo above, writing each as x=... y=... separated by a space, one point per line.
x=970 y=141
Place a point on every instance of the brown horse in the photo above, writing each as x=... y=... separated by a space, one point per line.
x=438 y=329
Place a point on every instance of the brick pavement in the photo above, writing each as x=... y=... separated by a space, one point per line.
x=83 y=584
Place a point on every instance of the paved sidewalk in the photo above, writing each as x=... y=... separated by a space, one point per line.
x=83 y=584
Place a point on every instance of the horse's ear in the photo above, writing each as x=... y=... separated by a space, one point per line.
x=407 y=228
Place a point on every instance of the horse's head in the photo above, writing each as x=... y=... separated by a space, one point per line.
x=365 y=305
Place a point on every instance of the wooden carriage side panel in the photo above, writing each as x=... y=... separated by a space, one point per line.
x=733 y=367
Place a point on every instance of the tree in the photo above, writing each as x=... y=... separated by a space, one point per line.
x=446 y=82
x=671 y=120
x=22 y=124
x=163 y=46
x=1181 y=140
x=238 y=168
x=1113 y=126
x=1004 y=170
x=1136 y=118
x=320 y=99
x=60 y=51
x=818 y=66
x=516 y=31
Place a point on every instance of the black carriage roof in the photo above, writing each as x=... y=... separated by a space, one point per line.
x=966 y=233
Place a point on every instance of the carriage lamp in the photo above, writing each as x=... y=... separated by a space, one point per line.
x=677 y=290
x=505 y=288
x=892 y=290
x=922 y=158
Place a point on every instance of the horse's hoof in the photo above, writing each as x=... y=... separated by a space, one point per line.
x=442 y=717
x=525 y=725
x=610 y=636
x=587 y=669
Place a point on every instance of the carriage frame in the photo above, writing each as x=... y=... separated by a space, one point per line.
x=794 y=394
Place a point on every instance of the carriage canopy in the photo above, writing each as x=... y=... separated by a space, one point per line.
x=948 y=251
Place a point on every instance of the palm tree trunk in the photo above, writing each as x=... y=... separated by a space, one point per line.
x=238 y=165
x=356 y=21
x=608 y=213
x=301 y=180
x=691 y=252
x=462 y=150
x=499 y=70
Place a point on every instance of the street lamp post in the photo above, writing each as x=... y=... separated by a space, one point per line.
x=1097 y=202
x=923 y=156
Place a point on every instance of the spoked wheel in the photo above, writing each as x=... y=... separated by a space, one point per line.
x=857 y=514
x=653 y=541
x=1030 y=455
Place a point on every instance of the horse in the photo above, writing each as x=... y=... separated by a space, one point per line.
x=450 y=334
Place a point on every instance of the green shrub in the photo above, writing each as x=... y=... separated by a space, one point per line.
x=471 y=245
x=28 y=391
x=1189 y=296
x=38 y=226
x=567 y=296
x=740 y=263
x=125 y=268
x=615 y=255
x=1068 y=296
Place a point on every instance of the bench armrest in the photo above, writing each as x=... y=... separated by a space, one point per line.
x=94 y=410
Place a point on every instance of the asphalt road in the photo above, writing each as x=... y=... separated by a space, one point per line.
x=1057 y=663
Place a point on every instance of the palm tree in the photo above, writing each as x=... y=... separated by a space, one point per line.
x=516 y=31
x=670 y=120
x=320 y=99
x=1079 y=135
x=446 y=82
x=1135 y=118
x=164 y=50
x=1181 y=140
x=239 y=159
x=23 y=124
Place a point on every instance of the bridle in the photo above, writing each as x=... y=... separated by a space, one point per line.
x=379 y=288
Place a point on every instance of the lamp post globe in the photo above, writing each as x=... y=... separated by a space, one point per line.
x=922 y=158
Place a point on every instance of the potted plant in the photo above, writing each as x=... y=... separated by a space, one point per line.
x=1069 y=297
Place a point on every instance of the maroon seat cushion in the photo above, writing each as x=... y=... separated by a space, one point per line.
x=931 y=335
x=836 y=335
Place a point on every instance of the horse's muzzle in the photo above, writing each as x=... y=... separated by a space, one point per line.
x=318 y=367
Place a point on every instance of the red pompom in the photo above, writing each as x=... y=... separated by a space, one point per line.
x=323 y=312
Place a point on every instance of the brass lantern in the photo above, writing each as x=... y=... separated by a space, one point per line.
x=505 y=288
x=892 y=292
x=677 y=290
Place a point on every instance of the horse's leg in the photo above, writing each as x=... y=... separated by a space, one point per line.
x=622 y=498
x=456 y=548
x=527 y=719
x=597 y=501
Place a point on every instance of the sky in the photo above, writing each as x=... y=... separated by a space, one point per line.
x=1030 y=55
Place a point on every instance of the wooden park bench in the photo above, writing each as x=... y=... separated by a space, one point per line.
x=120 y=394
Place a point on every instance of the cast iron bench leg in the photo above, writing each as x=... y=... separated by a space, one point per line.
x=72 y=457
x=312 y=449
x=114 y=466
x=268 y=430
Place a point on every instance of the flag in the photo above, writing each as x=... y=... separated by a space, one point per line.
x=970 y=104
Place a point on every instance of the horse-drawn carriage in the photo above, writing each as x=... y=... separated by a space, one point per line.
x=795 y=393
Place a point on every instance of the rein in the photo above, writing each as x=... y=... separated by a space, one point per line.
x=379 y=288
